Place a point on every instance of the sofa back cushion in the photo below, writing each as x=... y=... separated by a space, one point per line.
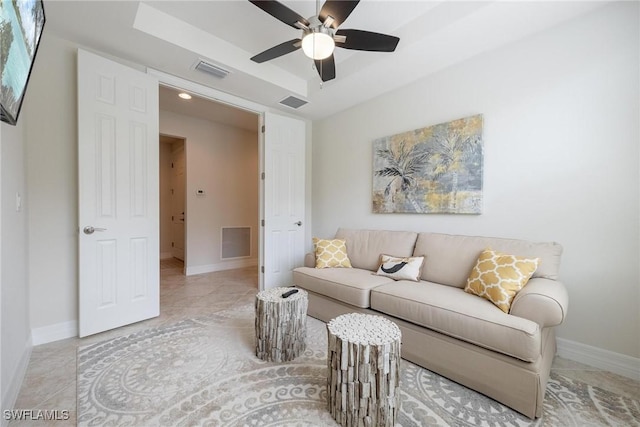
x=450 y=258
x=365 y=246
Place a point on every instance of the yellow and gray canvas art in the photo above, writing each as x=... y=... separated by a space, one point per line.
x=436 y=169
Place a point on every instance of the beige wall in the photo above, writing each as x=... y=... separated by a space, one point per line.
x=51 y=155
x=561 y=137
x=222 y=161
x=15 y=337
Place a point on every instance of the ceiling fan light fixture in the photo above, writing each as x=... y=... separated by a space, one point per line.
x=320 y=34
x=318 y=44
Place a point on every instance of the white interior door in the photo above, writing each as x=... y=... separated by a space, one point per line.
x=284 y=204
x=118 y=153
x=178 y=183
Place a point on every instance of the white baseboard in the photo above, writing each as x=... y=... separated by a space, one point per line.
x=224 y=265
x=69 y=329
x=59 y=331
x=166 y=255
x=617 y=363
x=15 y=382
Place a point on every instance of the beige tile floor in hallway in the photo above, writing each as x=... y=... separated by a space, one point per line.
x=50 y=381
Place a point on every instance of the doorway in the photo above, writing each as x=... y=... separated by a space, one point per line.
x=215 y=180
x=137 y=253
x=276 y=258
x=172 y=197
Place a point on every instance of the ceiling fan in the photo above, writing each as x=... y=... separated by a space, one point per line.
x=320 y=35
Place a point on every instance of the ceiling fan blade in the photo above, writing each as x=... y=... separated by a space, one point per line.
x=277 y=51
x=366 y=40
x=339 y=10
x=280 y=12
x=326 y=68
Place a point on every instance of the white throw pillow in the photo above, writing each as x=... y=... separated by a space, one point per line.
x=397 y=268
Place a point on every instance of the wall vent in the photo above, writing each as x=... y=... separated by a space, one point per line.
x=236 y=242
x=293 y=102
x=209 y=68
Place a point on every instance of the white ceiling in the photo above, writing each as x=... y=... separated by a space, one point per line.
x=171 y=36
x=203 y=108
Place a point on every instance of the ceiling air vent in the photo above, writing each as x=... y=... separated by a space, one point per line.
x=293 y=102
x=209 y=68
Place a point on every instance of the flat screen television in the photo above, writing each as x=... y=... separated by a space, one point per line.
x=21 y=25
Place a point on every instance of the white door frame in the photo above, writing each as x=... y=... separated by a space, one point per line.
x=243 y=104
x=183 y=139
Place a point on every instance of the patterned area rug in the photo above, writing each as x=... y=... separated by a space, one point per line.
x=203 y=372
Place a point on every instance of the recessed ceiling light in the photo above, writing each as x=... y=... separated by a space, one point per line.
x=184 y=95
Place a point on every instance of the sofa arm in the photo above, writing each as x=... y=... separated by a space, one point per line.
x=310 y=260
x=543 y=301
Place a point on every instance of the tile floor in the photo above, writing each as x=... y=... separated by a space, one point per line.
x=50 y=381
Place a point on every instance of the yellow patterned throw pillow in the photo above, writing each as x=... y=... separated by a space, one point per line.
x=331 y=253
x=499 y=277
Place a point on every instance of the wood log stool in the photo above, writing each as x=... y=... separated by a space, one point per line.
x=281 y=324
x=363 y=381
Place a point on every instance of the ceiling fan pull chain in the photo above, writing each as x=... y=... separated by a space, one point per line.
x=313 y=67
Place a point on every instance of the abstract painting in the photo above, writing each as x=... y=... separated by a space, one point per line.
x=436 y=169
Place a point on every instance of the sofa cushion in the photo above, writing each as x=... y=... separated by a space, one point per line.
x=450 y=258
x=499 y=277
x=330 y=253
x=454 y=312
x=350 y=285
x=401 y=268
x=364 y=247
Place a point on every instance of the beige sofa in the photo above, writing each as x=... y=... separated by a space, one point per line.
x=444 y=329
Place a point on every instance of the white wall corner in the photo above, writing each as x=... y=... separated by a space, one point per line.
x=57 y=332
x=617 y=363
x=15 y=383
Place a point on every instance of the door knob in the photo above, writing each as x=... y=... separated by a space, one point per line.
x=89 y=229
x=299 y=223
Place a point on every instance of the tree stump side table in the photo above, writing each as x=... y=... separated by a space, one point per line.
x=363 y=380
x=281 y=324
